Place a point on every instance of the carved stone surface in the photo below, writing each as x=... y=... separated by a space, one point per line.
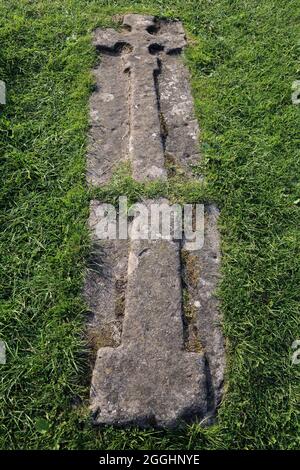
x=154 y=321
x=149 y=378
x=142 y=108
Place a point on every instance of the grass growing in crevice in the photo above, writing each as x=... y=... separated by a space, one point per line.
x=175 y=189
x=243 y=59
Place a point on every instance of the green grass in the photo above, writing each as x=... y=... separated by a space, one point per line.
x=244 y=58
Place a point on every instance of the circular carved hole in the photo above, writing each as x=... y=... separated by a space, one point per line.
x=152 y=29
x=155 y=48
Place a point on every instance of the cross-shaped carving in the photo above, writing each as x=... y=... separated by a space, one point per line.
x=139 y=43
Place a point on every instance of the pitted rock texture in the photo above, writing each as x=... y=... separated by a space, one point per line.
x=105 y=286
x=150 y=378
x=109 y=132
x=142 y=108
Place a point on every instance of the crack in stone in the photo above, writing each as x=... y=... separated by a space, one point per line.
x=127 y=72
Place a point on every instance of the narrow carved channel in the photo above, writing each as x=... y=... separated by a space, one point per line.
x=162 y=121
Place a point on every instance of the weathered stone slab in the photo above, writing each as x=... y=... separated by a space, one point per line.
x=150 y=378
x=142 y=108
